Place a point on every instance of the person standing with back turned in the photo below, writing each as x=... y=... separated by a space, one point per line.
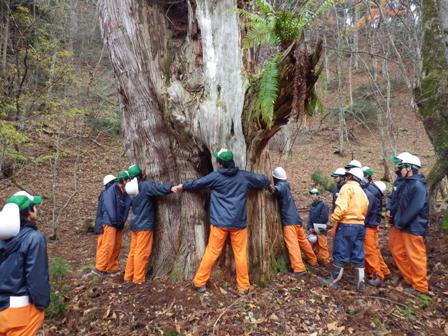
x=24 y=281
x=229 y=187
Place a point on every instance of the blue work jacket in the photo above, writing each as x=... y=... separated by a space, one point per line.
x=318 y=213
x=335 y=194
x=229 y=188
x=375 y=197
x=288 y=210
x=24 y=267
x=116 y=205
x=412 y=210
x=392 y=197
x=143 y=207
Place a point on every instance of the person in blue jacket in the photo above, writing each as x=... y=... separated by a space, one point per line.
x=339 y=178
x=391 y=206
x=318 y=214
x=115 y=211
x=108 y=181
x=375 y=266
x=24 y=281
x=229 y=187
x=293 y=233
x=411 y=218
x=143 y=224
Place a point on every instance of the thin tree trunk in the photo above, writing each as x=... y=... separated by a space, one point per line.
x=5 y=39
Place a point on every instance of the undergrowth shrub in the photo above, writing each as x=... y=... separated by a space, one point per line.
x=445 y=223
x=322 y=181
x=58 y=271
x=109 y=123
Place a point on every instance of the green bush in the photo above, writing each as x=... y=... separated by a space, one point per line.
x=110 y=123
x=362 y=111
x=445 y=223
x=322 y=181
x=58 y=270
x=57 y=305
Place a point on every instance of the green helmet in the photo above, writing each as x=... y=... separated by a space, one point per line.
x=122 y=176
x=24 y=200
x=367 y=171
x=134 y=171
x=223 y=154
x=314 y=191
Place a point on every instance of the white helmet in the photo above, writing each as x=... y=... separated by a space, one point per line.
x=381 y=186
x=9 y=221
x=339 y=172
x=356 y=172
x=312 y=238
x=107 y=179
x=400 y=157
x=279 y=173
x=132 y=187
x=354 y=164
x=412 y=160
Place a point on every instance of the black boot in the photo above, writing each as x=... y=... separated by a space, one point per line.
x=376 y=281
x=335 y=275
x=359 y=276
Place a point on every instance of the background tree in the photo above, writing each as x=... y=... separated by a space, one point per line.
x=432 y=95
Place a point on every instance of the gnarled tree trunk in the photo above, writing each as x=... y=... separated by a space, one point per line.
x=179 y=68
x=432 y=95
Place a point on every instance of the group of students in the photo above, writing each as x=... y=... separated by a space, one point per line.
x=354 y=221
x=354 y=224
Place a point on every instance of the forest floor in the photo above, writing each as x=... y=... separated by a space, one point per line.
x=288 y=306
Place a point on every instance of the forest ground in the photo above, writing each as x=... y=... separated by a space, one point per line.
x=288 y=306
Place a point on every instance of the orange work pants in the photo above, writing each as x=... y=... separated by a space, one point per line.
x=139 y=253
x=24 y=321
x=108 y=249
x=216 y=241
x=398 y=251
x=413 y=261
x=383 y=266
x=373 y=258
x=321 y=249
x=295 y=239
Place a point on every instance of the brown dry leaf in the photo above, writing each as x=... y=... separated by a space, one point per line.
x=274 y=317
x=222 y=290
x=446 y=328
x=106 y=314
x=332 y=326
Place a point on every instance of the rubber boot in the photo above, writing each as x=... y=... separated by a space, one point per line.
x=359 y=276
x=335 y=275
x=376 y=281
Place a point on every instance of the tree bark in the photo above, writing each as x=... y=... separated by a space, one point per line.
x=182 y=93
x=432 y=95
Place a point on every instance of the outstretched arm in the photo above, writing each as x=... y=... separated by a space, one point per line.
x=257 y=181
x=206 y=181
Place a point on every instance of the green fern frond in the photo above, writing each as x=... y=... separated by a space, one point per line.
x=252 y=18
x=263 y=7
x=268 y=91
x=314 y=104
x=260 y=34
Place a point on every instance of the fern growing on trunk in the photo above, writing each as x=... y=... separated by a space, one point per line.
x=267 y=27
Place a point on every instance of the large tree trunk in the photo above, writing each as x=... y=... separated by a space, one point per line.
x=182 y=92
x=432 y=95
